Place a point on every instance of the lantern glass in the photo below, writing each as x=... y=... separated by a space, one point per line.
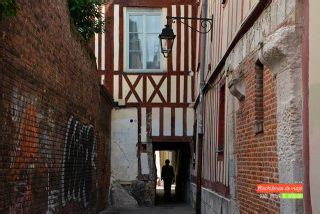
x=166 y=40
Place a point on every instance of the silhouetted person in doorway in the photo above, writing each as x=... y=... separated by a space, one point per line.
x=167 y=175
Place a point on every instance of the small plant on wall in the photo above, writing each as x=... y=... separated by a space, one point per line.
x=86 y=17
x=8 y=8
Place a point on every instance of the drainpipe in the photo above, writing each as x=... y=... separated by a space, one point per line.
x=200 y=125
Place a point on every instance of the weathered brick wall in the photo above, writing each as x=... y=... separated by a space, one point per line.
x=55 y=120
x=257 y=160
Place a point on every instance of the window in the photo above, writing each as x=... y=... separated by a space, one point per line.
x=221 y=129
x=143 y=46
x=258 y=123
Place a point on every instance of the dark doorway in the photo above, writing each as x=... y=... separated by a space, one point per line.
x=179 y=155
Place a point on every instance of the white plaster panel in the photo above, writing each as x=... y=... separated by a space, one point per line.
x=156 y=79
x=116 y=88
x=144 y=163
x=143 y=125
x=190 y=121
x=179 y=121
x=139 y=89
x=167 y=121
x=173 y=89
x=149 y=88
x=181 y=89
x=124 y=138
x=132 y=79
x=124 y=53
x=189 y=87
x=163 y=89
x=182 y=39
x=158 y=164
x=156 y=99
x=132 y=99
x=155 y=121
x=174 y=48
x=116 y=38
x=125 y=88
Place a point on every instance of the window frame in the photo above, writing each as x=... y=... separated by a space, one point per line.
x=143 y=13
x=221 y=122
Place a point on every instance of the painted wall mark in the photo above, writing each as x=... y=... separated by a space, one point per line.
x=36 y=173
x=27 y=167
x=53 y=201
x=79 y=156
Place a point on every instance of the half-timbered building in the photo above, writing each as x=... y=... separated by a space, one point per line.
x=252 y=98
x=154 y=94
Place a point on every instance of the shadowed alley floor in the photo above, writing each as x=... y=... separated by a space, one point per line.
x=162 y=207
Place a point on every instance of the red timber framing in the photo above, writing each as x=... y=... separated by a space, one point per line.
x=215 y=151
x=225 y=37
x=163 y=98
x=231 y=21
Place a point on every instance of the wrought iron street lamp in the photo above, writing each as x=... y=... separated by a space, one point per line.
x=167 y=35
x=166 y=40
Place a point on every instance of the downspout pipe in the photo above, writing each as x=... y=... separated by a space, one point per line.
x=201 y=106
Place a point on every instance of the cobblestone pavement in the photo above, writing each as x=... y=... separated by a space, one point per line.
x=174 y=206
x=162 y=209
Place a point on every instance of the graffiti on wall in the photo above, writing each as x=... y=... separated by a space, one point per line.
x=23 y=163
x=36 y=173
x=27 y=164
x=78 y=166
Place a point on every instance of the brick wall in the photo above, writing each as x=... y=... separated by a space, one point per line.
x=256 y=149
x=55 y=118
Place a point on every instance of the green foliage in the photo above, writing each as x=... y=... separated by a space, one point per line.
x=8 y=8
x=86 y=17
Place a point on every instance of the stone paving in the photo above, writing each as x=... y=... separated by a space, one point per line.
x=162 y=209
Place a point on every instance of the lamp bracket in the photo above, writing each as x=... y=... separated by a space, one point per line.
x=205 y=23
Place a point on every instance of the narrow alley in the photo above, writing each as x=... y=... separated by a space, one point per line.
x=160 y=107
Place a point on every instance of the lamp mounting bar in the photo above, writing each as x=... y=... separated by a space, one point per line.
x=205 y=23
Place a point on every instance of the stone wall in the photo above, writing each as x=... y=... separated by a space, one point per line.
x=211 y=202
x=54 y=146
x=314 y=103
x=274 y=154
